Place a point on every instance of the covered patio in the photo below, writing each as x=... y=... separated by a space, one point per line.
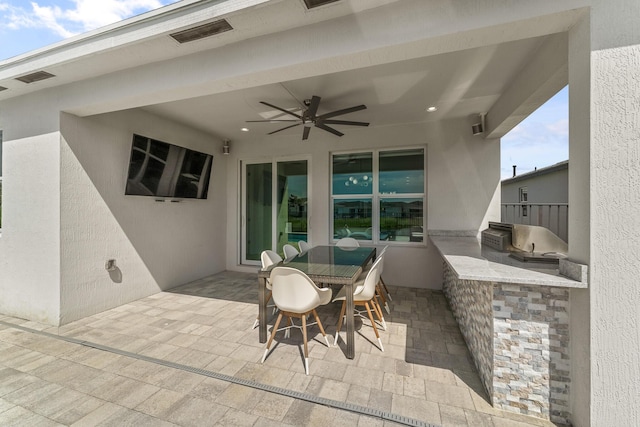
x=81 y=257
x=189 y=356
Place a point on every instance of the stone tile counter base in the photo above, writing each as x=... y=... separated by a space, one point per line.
x=518 y=336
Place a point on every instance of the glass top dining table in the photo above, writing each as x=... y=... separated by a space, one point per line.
x=328 y=265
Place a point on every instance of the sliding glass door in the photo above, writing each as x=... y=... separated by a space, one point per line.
x=275 y=206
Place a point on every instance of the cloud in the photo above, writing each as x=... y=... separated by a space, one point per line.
x=542 y=139
x=560 y=128
x=82 y=16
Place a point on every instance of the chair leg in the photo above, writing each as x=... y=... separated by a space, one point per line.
x=342 y=310
x=386 y=289
x=315 y=314
x=373 y=324
x=273 y=334
x=287 y=331
x=378 y=310
x=381 y=293
x=257 y=321
x=304 y=339
x=275 y=308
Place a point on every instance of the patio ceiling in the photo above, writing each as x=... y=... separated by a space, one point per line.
x=460 y=60
x=460 y=84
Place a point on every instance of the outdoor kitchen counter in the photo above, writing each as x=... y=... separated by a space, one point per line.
x=470 y=261
x=514 y=317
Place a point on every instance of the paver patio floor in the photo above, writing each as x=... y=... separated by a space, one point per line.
x=59 y=377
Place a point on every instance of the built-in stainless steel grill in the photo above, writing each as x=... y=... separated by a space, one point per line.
x=497 y=236
x=525 y=242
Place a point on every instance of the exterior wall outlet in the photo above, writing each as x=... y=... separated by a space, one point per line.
x=110 y=265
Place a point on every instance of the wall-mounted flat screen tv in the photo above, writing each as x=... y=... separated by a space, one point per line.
x=160 y=169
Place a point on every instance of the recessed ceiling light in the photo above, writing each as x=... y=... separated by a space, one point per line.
x=245 y=129
x=432 y=109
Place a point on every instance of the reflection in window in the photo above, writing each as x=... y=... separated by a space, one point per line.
x=379 y=195
x=353 y=173
x=402 y=171
x=401 y=220
x=352 y=218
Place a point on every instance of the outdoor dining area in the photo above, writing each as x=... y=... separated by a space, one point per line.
x=296 y=278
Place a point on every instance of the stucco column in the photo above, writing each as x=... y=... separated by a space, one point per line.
x=604 y=191
x=30 y=240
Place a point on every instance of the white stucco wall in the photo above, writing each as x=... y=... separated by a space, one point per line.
x=156 y=245
x=579 y=218
x=463 y=176
x=30 y=241
x=615 y=218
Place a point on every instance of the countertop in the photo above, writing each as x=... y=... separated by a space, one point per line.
x=471 y=261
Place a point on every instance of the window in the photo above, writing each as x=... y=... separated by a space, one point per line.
x=379 y=195
x=523 y=200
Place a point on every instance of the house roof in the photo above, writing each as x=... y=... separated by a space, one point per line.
x=538 y=172
x=397 y=58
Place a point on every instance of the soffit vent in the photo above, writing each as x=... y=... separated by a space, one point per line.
x=317 y=3
x=202 y=31
x=35 y=77
x=2 y=88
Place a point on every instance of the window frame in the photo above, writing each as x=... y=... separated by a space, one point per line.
x=376 y=196
x=523 y=196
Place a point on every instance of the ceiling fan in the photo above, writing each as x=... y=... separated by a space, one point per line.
x=309 y=118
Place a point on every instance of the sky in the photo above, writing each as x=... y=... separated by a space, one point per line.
x=28 y=25
x=538 y=141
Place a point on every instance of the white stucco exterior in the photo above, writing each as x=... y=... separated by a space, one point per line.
x=67 y=143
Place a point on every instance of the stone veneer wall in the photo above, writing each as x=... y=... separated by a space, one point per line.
x=520 y=345
x=470 y=303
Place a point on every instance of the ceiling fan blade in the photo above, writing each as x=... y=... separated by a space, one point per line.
x=345 y=122
x=313 y=107
x=328 y=129
x=270 y=121
x=343 y=111
x=305 y=133
x=281 y=109
x=286 y=127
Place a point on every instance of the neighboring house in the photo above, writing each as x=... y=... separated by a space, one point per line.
x=69 y=111
x=539 y=197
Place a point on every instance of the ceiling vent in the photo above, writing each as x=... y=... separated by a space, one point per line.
x=202 y=31
x=2 y=88
x=317 y=3
x=35 y=77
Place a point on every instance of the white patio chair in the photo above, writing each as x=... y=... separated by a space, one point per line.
x=268 y=258
x=296 y=296
x=383 y=286
x=363 y=295
x=289 y=251
x=304 y=246
x=348 y=242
